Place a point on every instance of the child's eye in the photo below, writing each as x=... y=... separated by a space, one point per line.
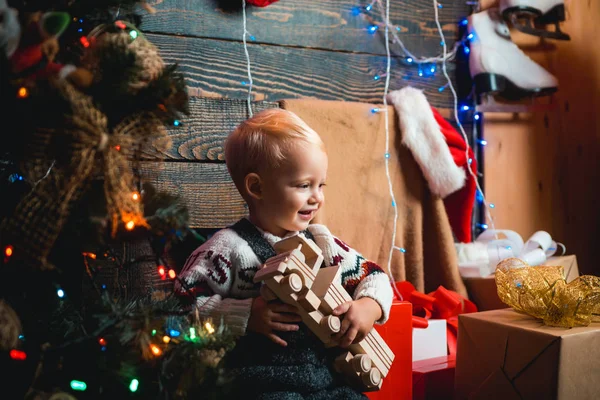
x=304 y=186
x=322 y=184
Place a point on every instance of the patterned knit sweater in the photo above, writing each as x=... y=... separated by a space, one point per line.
x=219 y=275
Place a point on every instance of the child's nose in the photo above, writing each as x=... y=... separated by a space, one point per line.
x=317 y=196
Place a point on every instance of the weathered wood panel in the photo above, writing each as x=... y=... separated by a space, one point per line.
x=217 y=68
x=206 y=188
x=325 y=24
x=201 y=135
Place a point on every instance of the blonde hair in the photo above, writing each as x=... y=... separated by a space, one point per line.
x=263 y=142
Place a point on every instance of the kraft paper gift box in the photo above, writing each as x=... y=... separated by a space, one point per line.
x=507 y=355
x=482 y=291
x=434 y=378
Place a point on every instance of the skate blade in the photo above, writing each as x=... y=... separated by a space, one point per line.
x=531 y=21
x=499 y=85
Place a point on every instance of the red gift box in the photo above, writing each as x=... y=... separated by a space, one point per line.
x=433 y=378
x=397 y=333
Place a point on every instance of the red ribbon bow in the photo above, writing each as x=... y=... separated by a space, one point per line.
x=439 y=304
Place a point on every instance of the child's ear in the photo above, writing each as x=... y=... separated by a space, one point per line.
x=253 y=185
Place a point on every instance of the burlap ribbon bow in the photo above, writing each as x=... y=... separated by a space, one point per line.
x=80 y=149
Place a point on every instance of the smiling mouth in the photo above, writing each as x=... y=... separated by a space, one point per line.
x=306 y=212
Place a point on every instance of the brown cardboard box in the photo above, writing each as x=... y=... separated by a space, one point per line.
x=506 y=355
x=482 y=291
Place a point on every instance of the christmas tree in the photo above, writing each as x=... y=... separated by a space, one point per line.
x=86 y=304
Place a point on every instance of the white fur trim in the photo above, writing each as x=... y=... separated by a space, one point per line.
x=421 y=134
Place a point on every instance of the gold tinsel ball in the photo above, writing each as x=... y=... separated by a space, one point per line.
x=511 y=263
x=10 y=327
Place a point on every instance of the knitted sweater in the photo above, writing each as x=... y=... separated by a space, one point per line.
x=219 y=275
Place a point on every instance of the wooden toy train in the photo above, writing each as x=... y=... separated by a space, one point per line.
x=295 y=277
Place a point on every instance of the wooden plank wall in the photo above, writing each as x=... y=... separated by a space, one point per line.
x=301 y=48
x=543 y=169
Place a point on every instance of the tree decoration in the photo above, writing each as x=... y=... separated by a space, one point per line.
x=261 y=3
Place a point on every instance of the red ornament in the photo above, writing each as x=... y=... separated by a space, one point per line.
x=261 y=3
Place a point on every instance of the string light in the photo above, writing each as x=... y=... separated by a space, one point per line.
x=12 y=178
x=130 y=225
x=155 y=350
x=60 y=293
x=176 y=122
x=470 y=37
x=135 y=196
x=209 y=328
x=172 y=274
x=23 y=93
x=476 y=117
x=133 y=385
x=133 y=33
x=192 y=333
x=154 y=332
x=246 y=33
x=373 y=28
x=80 y=386
x=166 y=339
x=161 y=271
x=102 y=341
x=18 y=355
x=8 y=250
x=174 y=333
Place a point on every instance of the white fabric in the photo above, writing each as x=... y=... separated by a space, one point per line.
x=422 y=135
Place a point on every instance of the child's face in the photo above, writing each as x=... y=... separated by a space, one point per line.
x=293 y=194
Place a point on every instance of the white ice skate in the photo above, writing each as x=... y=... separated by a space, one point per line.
x=498 y=66
x=531 y=16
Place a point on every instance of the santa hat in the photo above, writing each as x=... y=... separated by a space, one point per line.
x=440 y=151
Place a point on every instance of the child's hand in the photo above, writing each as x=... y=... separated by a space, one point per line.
x=266 y=317
x=360 y=315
